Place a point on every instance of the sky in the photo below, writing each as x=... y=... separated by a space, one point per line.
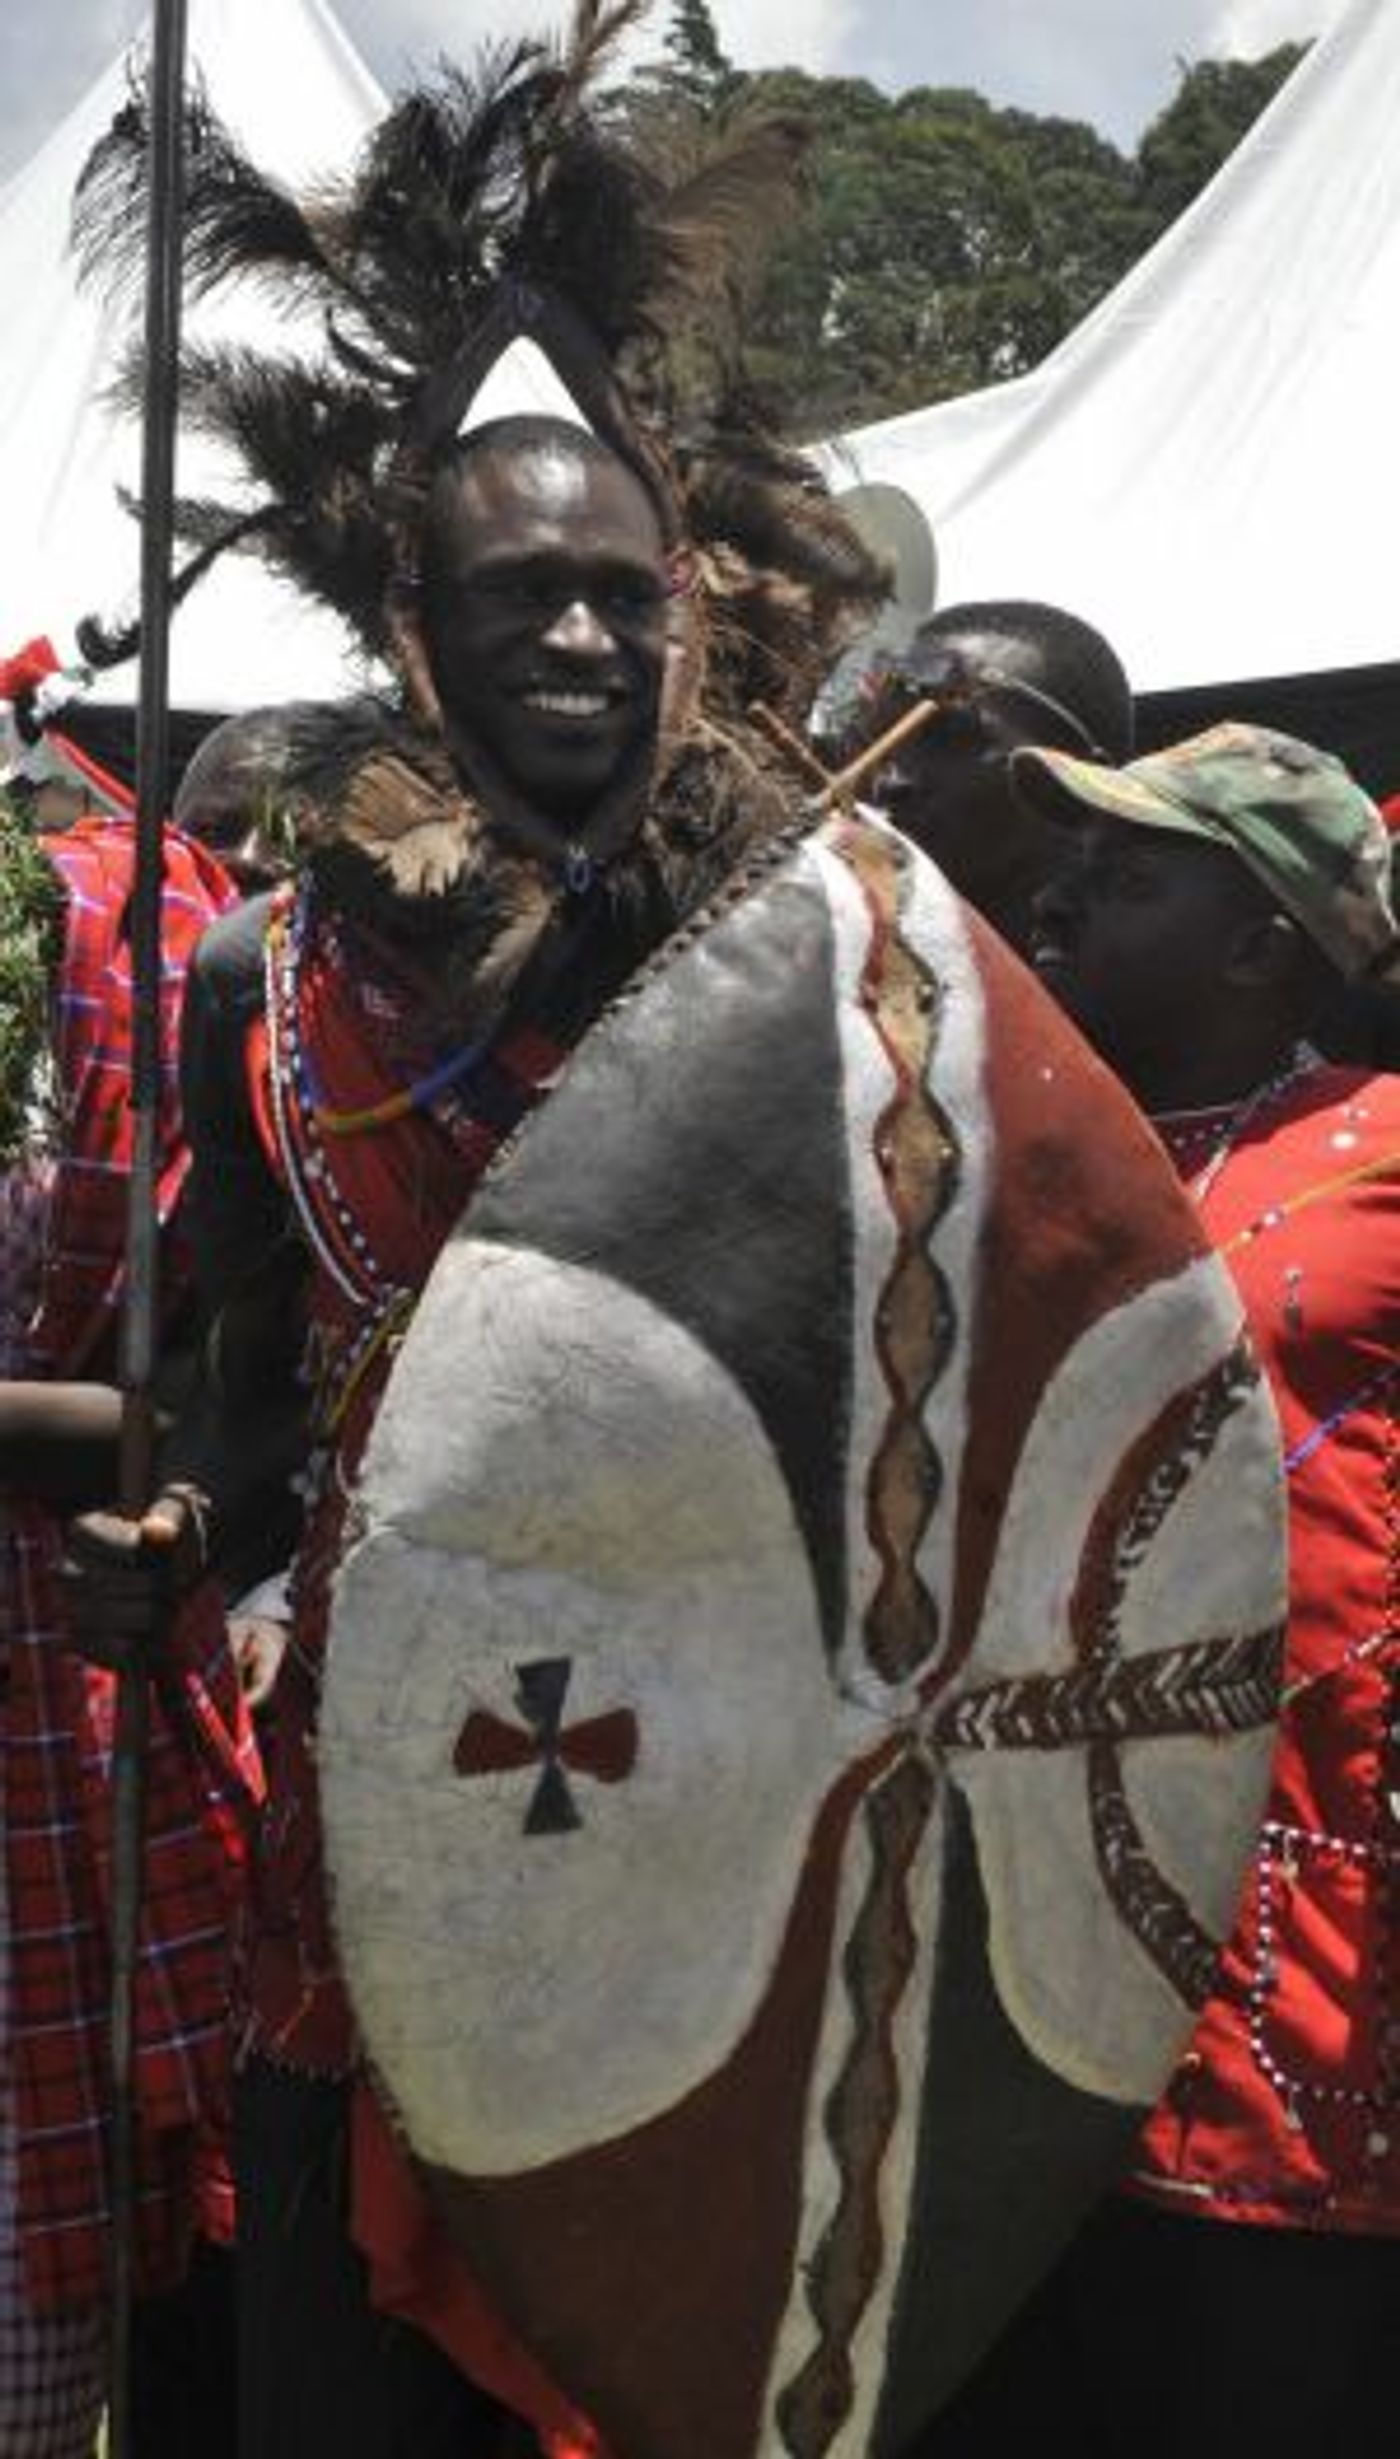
x=1112 y=62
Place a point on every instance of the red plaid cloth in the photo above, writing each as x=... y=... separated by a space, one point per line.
x=86 y=1238
x=58 y=1712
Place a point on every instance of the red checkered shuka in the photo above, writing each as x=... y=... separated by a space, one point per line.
x=86 y=1236
x=58 y=1714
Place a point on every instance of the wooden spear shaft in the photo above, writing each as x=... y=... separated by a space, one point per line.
x=841 y=788
x=835 y=788
x=140 y=1315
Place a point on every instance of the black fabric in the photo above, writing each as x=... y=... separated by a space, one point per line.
x=236 y=1213
x=184 y=2367
x=1188 y=2338
x=241 y=1434
x=1008 y=2154
x=1352 y=711
x=321 y=2375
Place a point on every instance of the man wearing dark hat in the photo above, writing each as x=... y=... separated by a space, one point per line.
x=1212 y=900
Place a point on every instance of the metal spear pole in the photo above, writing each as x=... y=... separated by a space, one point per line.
x=165 y=215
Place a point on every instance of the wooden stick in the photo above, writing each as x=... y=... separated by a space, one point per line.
x=164 y=263
x=836 y=788
x=781 y=735
x=840 y=789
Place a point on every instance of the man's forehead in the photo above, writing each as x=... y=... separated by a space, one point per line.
x=562 y=481
x=1104 y=838
x=976 y=652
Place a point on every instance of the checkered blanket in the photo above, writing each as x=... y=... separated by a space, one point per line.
x=58 y=1712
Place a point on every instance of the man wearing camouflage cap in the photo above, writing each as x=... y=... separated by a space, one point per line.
x=1213 y=896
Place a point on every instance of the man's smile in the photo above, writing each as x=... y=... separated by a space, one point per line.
x=573 y=703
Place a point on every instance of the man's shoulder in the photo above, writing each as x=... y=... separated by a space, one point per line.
x=1341 y=1128
x=228 y=962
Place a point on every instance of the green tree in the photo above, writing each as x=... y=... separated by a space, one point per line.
x=1216 y=103
x=698 y=65
x=947 y=244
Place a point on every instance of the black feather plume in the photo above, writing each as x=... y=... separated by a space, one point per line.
x=496 y=198
x=237 y=220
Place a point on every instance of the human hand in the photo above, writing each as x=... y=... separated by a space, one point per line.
x=124 y=1578
x=259 y=1644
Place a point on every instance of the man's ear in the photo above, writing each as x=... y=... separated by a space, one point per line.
x=1266 y=952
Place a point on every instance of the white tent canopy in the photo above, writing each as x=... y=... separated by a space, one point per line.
x=288 y=82
x=1205 y=468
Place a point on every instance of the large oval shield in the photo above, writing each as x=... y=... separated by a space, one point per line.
x=799 y=1696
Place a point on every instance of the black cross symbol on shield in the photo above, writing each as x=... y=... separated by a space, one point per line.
x=541 y=1689
x=603 y=1748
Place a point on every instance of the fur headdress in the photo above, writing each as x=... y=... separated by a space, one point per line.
x=502 y=201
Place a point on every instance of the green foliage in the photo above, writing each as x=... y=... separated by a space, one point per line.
x=695 y=50
x=31 y=937
x=695 y=72
x=1216 y=103
x=949 y=244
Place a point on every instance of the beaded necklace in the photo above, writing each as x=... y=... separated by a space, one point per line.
x=1275 y=1214
x=289 y=928
x=1179 y=1127
x=415 y=1096
x=330 y=1224
x=306 y=1129
x=332 y=1230
x=1237 y=1121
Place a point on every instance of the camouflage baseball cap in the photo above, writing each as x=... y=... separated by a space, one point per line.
x=1294 y=814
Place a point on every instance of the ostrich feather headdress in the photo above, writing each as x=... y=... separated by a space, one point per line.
x=491 y=203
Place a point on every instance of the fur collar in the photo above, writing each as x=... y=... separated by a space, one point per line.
x=392 y=839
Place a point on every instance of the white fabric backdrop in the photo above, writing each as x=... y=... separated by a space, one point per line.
x=1206 y=467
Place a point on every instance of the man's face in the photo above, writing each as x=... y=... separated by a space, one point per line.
x=949 y=788
x=1134 y=935
x=544 y=617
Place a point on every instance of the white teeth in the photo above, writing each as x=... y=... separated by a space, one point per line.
x=568 y=704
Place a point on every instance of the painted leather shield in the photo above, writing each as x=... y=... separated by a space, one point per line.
x=799 y=1694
